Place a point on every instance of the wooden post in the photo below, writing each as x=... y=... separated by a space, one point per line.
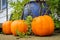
x=6 y=10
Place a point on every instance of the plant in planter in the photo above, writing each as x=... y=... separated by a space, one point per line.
x=17 y=11
x=54 y=6
x=58 y=8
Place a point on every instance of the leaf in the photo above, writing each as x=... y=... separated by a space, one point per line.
x=21 y=35
x=53 y=4
x=17 y=9
x=28 y=21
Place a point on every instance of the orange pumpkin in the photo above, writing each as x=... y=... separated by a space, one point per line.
x=6 y=27
x=43 y=25
x=19 y=25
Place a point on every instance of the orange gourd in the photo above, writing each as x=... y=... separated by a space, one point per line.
x=19 y=25
x=6 y=27
x=43 y=25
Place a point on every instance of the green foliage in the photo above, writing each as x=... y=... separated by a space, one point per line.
x=58 y=9
x=28 y=21
x=57 y=24
x=21 y=35
x=54 y=6
x=18 y=7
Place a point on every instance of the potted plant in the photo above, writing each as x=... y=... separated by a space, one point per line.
x=54 y=6
x=18 y=7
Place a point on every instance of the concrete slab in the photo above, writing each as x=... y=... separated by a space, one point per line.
x=55 y=36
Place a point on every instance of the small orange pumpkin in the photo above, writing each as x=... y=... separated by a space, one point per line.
x=6 y=27
x=43 y=25
x=19 y=25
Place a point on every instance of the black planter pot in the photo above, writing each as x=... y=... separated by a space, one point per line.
x=0 y=29
x=57 y=30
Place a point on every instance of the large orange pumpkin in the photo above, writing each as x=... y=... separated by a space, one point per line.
x=43 y=25
x=19 y=25
x=6 y=27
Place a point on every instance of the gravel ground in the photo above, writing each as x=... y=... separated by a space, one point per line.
x=55 y=36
